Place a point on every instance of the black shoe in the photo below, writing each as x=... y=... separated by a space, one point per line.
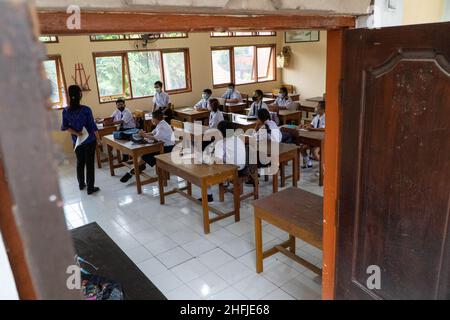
x=210 y=198
x=82 y=186
x=126 y=177
x=93 y=190
x=141 y=168
x=250 y=182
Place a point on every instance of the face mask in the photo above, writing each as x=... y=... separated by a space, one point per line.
x=205 y=96
x=158 y=90
x=255 y=98
x=121 y=109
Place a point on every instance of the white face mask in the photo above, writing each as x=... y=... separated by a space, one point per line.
x=204 y=96
x=158 y=90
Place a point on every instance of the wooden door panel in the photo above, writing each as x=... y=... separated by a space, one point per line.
x=395 y=165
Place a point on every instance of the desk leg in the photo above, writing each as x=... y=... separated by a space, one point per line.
x=259 y=245
x=275 y=182
x=137 y=173
x=189 y=188
x=111 y=161
x=205 y=208
x=283 y=175
x=98 y=155
x=295 y=170
x=236 y=198
x=292 y=244
x=321 y=164
x=161 y=176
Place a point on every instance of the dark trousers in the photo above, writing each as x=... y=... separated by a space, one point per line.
x=149 y=158
x=86 y=159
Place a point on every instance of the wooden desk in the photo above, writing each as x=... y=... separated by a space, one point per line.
x=308 y=107
x=287 y=116
x=240 y=122
x=201 y=175
x=103 y=131
x=268 y=100
x=316 y=99
x=191 y=115
x=235 y=107
x=134 y=150
x=295 y=211
x=313 y=139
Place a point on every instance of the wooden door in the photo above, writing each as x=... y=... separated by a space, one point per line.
x=394 y=194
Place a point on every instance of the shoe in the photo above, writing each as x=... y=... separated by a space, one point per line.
x=141 y=168
x=250 y=182
x=93 y=190
x=210 y=198
x=82 y=186
x=126 y=177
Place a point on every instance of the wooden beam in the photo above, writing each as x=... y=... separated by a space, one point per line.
x=126 y=22
x=33 y=226
x=331 y=160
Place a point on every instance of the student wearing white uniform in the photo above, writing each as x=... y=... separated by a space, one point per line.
x=257 y=104
x=203 y=104
x=229 y=150
x=232 y=95
x=161 y=101
x=317 y=124
x=163 y=133
x=283 y=101
x=266 y=128
x=216 y=116
x=123 y=116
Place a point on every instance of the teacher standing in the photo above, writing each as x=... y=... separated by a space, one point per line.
x=76 y=119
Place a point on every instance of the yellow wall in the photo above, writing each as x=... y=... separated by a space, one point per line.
x=420 y=11
x=307 y=68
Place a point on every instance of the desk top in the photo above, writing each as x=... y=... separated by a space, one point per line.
x=316 y=99
x=316 y=135
x=288 y=112
x=294 y=210
x=128 y=144
x=197 y=170
x=191 y=111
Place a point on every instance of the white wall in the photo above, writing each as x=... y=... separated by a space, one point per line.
x=8 y=289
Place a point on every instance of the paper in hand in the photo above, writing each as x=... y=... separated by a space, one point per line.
x=82 y=138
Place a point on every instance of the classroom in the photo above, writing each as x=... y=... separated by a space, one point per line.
x=185 y=154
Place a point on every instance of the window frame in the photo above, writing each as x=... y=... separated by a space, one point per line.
x=126 y=37
x=233 y=34
x=126 y=71
x=273 y=46
x=61 y=82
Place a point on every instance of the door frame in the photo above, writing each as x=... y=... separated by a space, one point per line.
x=52 y=22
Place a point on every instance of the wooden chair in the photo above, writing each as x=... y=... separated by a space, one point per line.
x=253 y=174
x=294 y=134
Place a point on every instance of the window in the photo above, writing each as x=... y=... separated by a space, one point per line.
x=48 y=39
x=112 y=78
x=243 y=64
x=221 y=63
x=55 y=74
x=132 y=74
x=136 y=36
x=243 y=34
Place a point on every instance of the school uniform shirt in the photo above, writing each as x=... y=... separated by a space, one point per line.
x=232 y=95
x=164 y=133
x=283 y=101
x=215 y=118
x=318 y=122
x=77 y=120
x=126 y=116
x=232 y=151
x=202 y=104
x=161 y=99
x=256 y=106
x=273 y=135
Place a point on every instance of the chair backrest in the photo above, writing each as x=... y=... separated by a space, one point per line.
x=176 y=124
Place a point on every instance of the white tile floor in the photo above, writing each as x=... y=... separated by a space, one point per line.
x=168 y=244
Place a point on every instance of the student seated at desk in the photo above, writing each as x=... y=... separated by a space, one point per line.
x=216 y=116
x=229 y=150
x=266 y=128
x=161 y=101
x=123 y=116
x=317 y=124
x=203 y=104
x=163 y=133
x=257 y=104
x=232 y=95
x=283 y=101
